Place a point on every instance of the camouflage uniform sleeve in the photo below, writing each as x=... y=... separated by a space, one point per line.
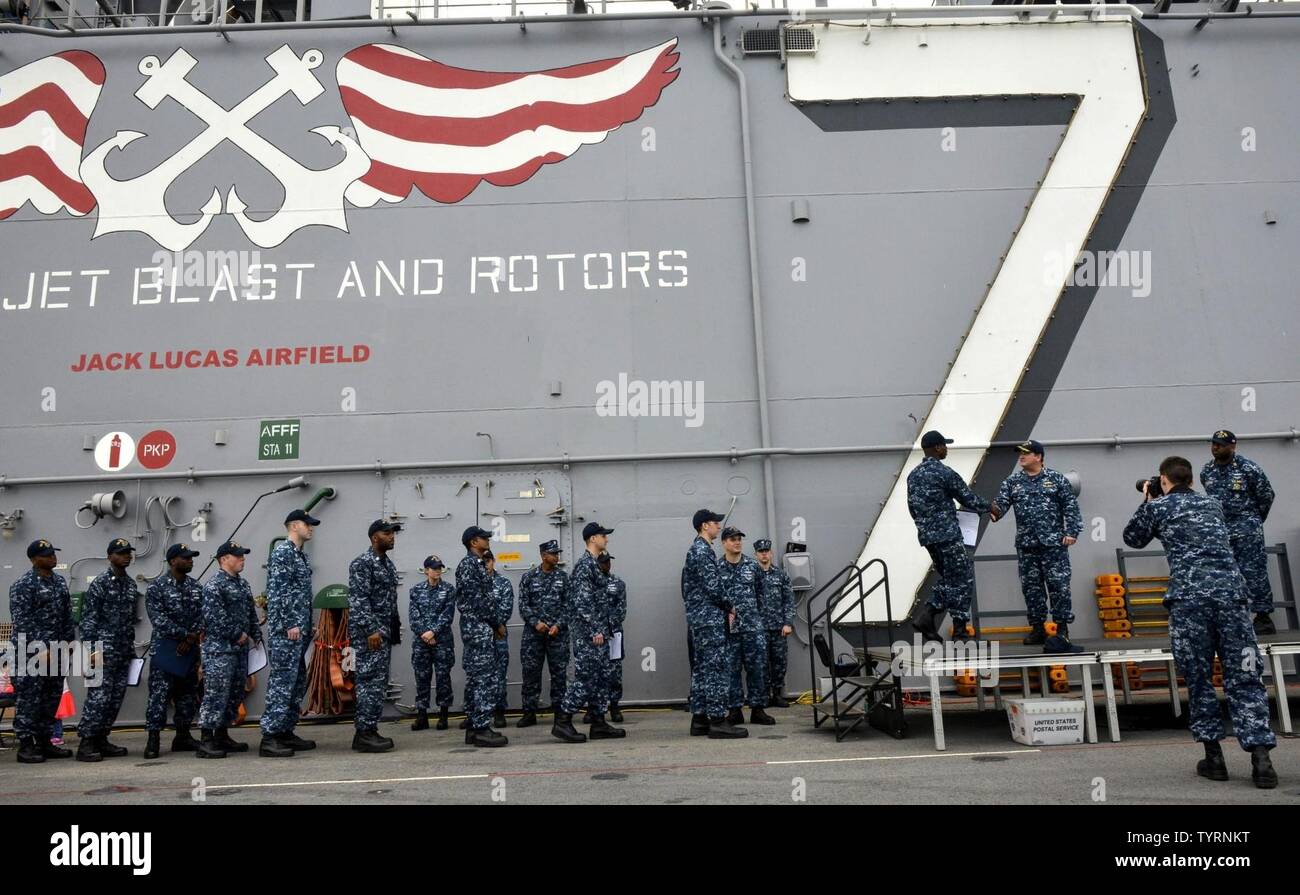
x=1071 y=515
x=1205 y=476
x=956 y=488
x=215 y=620
x=92 y=607
x=21 y=607
x=155 y=606
x=278 y=576
x=1262 y=489
x=618 y=606
x=67 y=625
x=787 y=599
x=361 y=616
x=705 y=567
x=254 y=629
x=1003 y=501
x=1141 y=529
x=581 y=603
x=419 y=608
x=508 y=588
x=527 y=609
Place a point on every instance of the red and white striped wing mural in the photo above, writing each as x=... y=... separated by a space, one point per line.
x=444 y=130
x=44 y=108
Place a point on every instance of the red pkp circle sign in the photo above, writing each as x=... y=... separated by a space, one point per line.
x=156 y=450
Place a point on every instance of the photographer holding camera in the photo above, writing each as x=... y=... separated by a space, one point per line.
x=1207 y=614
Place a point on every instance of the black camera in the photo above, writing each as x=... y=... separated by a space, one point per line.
x=1154 y=483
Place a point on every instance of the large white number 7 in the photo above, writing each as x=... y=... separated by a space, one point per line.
x=1093 y=58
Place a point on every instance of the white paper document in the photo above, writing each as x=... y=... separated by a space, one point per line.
x=256 y=658
x=616 y=646
x=970 y=527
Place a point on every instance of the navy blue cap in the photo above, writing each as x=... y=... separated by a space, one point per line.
x=549 y=547
x=702 y=516
x=762 y=544
x=120 y=545
x=1223 y=436
x=40 y=547
x=180 y=551
x=732 y=532
x=232 y=548
x=301 y=516
x=433 y=562
x=473 y=532
x=1030 y=447
x=934 y=439
x=383 y=525
x=595 y=528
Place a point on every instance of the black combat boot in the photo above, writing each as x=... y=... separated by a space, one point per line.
x=615 y=713
x=601 y=729
x=442 y=718
x=49 y=750
x=928 y=622
x=1261 y=768
x=499 y=718
x=29 y=752
x=209 y=745
x=271 y=747
x=224 y=740
x=1212 y=766
x=184 y=741
x=151 y=747
x=487 y=738
x=960 y=634
x=778 y=701
x=464 y=724
x=1264 y=624
x=295 y=742
x=1037 y=636
x=421 y=721
x=1063 y=630
x=759 y=716
x=109 y=750
x=589 y=717
x=562 y=728
x=469 y=736
x=699 y=725
x=527 y=719
x=370 y=741
x=736 y=716
x=722 y=729
x=88 y=749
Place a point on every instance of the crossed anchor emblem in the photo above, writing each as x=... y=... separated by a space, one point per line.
x=310 y=196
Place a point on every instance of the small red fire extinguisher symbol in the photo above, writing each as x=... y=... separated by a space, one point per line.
x=115 y=452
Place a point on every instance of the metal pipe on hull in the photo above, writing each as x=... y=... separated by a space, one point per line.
x=755 y=293
x=379 y=467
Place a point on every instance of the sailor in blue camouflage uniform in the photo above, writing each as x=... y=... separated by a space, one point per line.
x=230 y=627
x=372 y=631
x=479 y=629
x=174 y=602
x=504 y=594
x=41 y=611
x=616 y=594
x=776 y=603
x=708 y=616
x=931 y=488
x=1247 y=496
x=108 y=624
x=742 y=578
x=1207 y=614
x=430 y=611
x=589 y=620
x=1048 y=523
x=545 y=637
x=289 y=632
